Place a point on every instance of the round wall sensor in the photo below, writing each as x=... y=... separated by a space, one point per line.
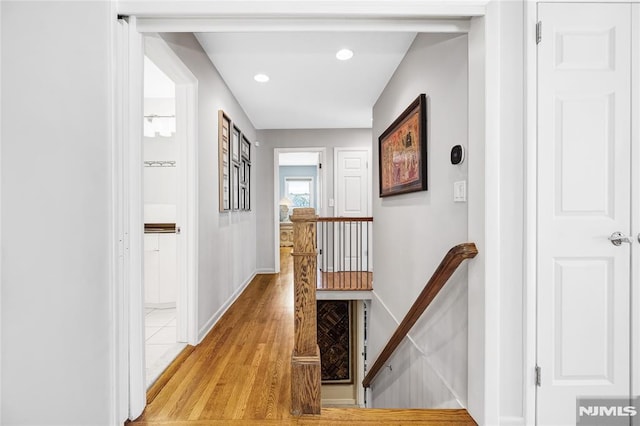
x=457 y=154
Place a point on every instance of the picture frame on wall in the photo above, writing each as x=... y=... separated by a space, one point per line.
x=403 y=151
x=235 y=145
x=246 y=148
x=224 y=171
x=235 y=185
x=247 y=177
x=234 y=166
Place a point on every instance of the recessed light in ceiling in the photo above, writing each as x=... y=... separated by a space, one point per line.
x=344 y=54
x=261 y=78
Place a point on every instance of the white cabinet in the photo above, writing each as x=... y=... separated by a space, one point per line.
x=286 y=234
x=160 y=270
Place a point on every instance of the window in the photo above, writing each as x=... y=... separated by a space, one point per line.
x=300 y=191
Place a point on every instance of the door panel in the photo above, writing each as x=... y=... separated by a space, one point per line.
x=352 y=195
x=352 y=183
x=584 y=187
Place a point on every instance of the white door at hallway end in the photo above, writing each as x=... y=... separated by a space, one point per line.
x=584 y=197
x=353 y=199
x=352 y=182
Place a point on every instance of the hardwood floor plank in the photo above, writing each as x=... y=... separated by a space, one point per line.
x=241 y=372
x=164 y=378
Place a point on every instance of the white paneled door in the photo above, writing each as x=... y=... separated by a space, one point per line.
x=353 y=193
x=352 y=183
x=584 y=197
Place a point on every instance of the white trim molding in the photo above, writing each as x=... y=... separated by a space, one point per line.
x=128 y=220
x=530 y=213
x=345 y=9
x=218 y=25
x=635 y=153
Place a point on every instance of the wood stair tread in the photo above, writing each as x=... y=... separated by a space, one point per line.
x=343 y=416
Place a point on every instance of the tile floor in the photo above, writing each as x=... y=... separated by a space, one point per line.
x=160 y=341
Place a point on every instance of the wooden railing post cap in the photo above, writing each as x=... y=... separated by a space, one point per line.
x=304 y=214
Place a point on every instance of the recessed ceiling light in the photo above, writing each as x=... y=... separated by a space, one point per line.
x=344 y=54
x=261 y=78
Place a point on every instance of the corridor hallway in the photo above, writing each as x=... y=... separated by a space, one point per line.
x=240 y=374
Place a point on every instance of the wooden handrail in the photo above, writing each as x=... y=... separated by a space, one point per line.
x=447 y=267
x=345 y=219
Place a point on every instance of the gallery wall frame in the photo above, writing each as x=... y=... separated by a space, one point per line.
x=235 y=144
x=224 y=170
x=403 y=151
x=234 y=166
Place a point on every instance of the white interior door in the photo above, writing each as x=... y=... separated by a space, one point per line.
x=352 y=193
x=352 y=183
x=584 y=187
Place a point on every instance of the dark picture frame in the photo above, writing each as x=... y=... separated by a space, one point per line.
x=245 y=148
x=235 y=185
x=235 y=145
x=402 y=151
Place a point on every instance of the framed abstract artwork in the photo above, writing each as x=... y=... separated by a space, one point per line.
x=403 y=151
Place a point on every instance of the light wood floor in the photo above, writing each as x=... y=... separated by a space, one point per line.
x=240 y=374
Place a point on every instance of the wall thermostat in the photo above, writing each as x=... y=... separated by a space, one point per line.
x=457 y=154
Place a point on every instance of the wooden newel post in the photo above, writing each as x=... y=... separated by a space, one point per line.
x=305 y=360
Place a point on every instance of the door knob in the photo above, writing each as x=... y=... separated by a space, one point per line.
x=617 y=238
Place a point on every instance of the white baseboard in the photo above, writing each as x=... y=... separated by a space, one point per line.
x=265 y=271
x=512 y=421
x=167 y=305
x=220 y=312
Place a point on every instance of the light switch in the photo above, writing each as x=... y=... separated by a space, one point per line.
x=331 y=202
x=460 y=191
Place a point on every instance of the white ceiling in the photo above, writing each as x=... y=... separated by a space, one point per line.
x=308 y=88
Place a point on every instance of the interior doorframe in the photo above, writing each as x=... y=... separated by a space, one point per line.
x=530 y=208
x=635 y=200
x=531 y=191
x=187 y=218
x=128 y=212
x=320 y=195
x=485 y=113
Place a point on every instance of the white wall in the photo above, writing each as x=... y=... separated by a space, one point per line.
x=160 y=183
x=227 y=241
x=412 y=233
x=55 y=153
x=315 y=138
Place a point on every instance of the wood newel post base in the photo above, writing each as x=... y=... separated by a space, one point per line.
x=305 y=384
x=305 y=359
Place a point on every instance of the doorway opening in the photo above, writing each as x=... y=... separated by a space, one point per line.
x=298 y=182
x=169 y=208
x=160 y=179
x=479 y=118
